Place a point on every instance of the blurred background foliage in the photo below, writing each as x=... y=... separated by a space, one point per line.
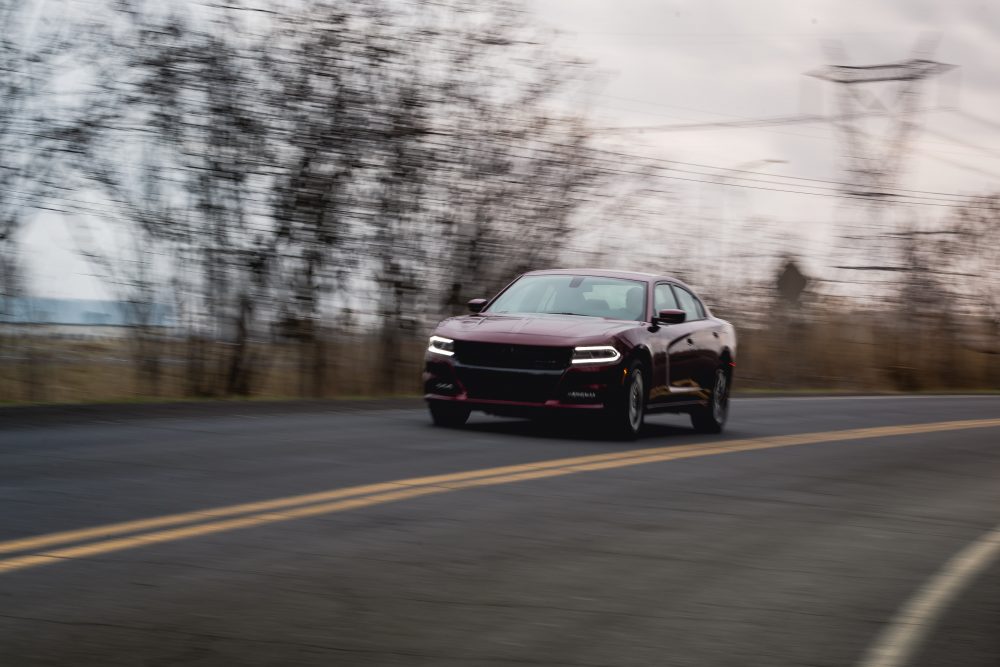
x=284 y=199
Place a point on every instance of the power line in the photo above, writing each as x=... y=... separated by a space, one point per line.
x=742 y=121
x=798 y=119
x=941 y=199
x=962 y=165
x=957 y=203
x=978 y=118
x=953 y=198
x=748 y=171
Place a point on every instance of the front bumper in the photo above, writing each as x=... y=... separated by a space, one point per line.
x=487 y=388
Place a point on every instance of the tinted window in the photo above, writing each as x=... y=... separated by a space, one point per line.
x=594 y=296
x=689 y=304
x=663 y=298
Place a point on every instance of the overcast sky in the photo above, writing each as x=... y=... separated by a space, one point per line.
x=665 y=62
x=676 y=62
x=660 y=62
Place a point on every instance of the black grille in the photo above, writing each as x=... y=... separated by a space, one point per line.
x=500 y=355
x=508 y=385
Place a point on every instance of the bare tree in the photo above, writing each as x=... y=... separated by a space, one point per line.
x=35 y=135
x=366 y=155
x=181 y=159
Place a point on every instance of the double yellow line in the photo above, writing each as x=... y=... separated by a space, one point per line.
x=110 y=538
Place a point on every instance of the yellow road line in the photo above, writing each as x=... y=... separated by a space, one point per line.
x=139 y=525
x=217 y=520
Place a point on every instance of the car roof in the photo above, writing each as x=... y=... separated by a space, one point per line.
x=606 y=273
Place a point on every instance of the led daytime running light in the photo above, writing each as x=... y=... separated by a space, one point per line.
x=596 y=354
x=441 y=345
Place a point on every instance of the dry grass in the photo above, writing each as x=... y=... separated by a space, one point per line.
x=61 y=371
x=853 y=353
x=830 y=353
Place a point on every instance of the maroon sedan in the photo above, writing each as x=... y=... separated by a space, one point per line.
x=609 y=343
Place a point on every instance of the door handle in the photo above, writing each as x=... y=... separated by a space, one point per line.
x=715 y=333
x=690 y=341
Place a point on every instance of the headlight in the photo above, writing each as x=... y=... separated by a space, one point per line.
x=441 y=345
x=596 y=354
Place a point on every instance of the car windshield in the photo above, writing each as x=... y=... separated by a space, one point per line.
x=593 y=296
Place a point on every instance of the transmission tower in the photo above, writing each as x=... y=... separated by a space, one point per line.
x=875 y=156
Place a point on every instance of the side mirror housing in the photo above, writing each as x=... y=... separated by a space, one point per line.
x=670 y=316
x=476 y=305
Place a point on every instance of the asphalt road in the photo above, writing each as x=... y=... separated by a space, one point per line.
x=777 y=552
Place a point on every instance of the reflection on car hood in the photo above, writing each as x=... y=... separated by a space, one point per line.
x=533 y=329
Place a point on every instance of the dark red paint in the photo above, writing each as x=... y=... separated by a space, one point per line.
x=493 y=368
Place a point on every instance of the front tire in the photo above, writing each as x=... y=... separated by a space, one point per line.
x=624 y=417
x=712 y=417
x=448 y=414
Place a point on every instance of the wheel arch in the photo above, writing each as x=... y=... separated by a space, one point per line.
x=644 y=356
x=727 y=360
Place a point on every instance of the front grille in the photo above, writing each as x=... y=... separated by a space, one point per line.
x=508 y=385
x=501 y=355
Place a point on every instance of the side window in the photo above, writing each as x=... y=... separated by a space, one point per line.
x=663 y=298
x=689 y=304
x=699 y=306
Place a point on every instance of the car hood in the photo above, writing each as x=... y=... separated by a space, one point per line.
x=533 y=329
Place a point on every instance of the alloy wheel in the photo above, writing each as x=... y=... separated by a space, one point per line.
x=720 y=397
x=635 y=402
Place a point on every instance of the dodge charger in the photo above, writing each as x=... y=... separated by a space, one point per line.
x=611 y=344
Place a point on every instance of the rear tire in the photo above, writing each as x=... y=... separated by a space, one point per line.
x=712 y=418
x=448 y=414
x=624 y=416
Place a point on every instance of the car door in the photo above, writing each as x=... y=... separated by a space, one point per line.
x=674 y=356
x=696 y=364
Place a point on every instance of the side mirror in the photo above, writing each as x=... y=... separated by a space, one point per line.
x=476 y=305
x=670 y=316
